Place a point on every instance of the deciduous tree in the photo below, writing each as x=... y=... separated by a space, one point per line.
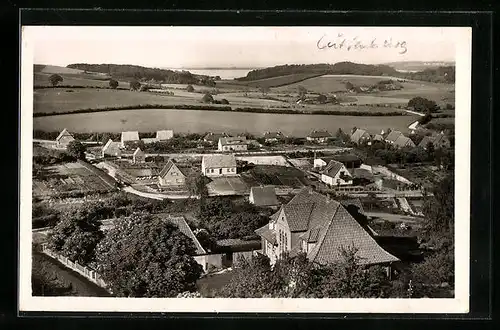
x=145 y=256
x=76 y=149
x=113 y=83
x=55 y=79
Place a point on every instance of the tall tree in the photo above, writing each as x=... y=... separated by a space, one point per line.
x=113 y=83
x=55 y=79
x=135 y=85
x=77 y=234
x=76 y=149
x=145 y=256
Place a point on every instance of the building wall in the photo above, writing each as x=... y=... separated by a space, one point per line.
x=174 y=177
x=216 y=172
x=64 y=140
x=139 y=158
x=337 y=180
x=236 y=147
x=319 y=163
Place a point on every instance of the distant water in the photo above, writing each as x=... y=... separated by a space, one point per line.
x=223 y=73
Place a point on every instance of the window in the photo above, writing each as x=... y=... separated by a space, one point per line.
x=174 y=173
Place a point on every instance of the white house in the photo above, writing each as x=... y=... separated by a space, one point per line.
x=236 y=143
x=138 y=156
x=218 y=165
x=164 y=135
x=336 y=174
x=64 y=138
x=129 y=136
x=111 y=149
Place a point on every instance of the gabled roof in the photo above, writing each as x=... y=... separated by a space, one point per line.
x=181 y=223
x=332 y=168
x=297 y=215
x=439 y=138
x=64 y=132
x=425 y=141
x=233 y=140
x=264 y=196
x=393 y=136
x=130 y=136
x=214 y=137
x=168 y=166
x=403 y=141
x=355 y=202
x=343 y=231
x=358 y=134
x=273 y=135
x=111 y=148
x=378 y=137
x=164 y=134
x=331 y=226
x=268 y=234
x=138 y=152
x=319 y=134
x=219 y=161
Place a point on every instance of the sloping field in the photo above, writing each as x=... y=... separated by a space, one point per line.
x=42 y=79
x=268 y=82
x=50 y=69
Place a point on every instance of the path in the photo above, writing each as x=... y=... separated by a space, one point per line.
x=80 y=284
x=415 y=113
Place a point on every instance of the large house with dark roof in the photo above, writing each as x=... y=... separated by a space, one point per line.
x=392 y=137
x=320 y=227
x=171 y=175
x=318 y=136
x=213 y=138
x=403 y=141
x=336 y=174
x=439 y=141
x=218 y=165
x=64 y=138
x=360 y=136
x=234 y=143
x=271 y=137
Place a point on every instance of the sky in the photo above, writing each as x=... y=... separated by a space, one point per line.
x=200 y=47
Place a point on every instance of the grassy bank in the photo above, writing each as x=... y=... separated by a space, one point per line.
x=221 y=108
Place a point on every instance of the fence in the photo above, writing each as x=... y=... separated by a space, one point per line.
x=82 y=270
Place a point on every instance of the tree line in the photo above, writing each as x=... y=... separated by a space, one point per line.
x=441 y=74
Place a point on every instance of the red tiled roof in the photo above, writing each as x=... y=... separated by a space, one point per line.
x=297 y=215
x=333 y=168
x=393 y=136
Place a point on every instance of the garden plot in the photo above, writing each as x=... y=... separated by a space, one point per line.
x=226 y=186
x=69 y=178
x=275 y=176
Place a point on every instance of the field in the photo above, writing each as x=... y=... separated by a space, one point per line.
x=70 y=178
x=196 y=121
x=227 y=186
x=268 y=82
x=441 y=93
x=265 y=160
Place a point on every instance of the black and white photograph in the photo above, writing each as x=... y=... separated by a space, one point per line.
x=245 y=169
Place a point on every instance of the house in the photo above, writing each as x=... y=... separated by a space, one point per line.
x=218 y=165
x=164 y=135
x=213 y=138
x=271 y=137
x=235 y=143
x=439 y=141
x=349 y=161
x=263 y=196
x=138 y=156
x=320 y=227
x=64 y=138
x=171 y=175
x=378 y=137
x=360 y=136
x=403 y=141
x=392 y=136
x=318 y=136
x=129 y=136
x=336 y=174
x=111 y=149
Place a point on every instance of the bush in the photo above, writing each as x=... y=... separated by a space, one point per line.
x=224 y=101
x=190 y=88
x=207 y=98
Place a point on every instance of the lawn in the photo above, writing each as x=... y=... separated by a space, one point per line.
x=42 y=79
x=209 y=285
